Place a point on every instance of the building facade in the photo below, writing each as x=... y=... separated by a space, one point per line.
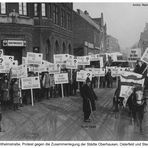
x=143 y=42
x=38 y=27
x=89 y=34
x=112 y=44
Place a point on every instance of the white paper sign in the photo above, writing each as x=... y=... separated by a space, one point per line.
x=83 y=60
x=54 y=69
x=72 y=64
x=134 y=54
x=60 y=58
x=30 y=83
x=82 y=75
x=34 y=58
x=1 y=52
x=61 y=78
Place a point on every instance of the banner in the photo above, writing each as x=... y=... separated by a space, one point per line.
x=60 y=58
x=128 y=81
x=34 y=58
x=83 y=60
x=61 y=78
x=144 y=57
x=30 y=83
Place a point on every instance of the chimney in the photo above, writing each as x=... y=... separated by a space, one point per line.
x=78 y=10
x=86 y=13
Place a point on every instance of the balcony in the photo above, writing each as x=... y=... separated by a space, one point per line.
x=16 y=19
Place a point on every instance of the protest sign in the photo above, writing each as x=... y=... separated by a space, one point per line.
x=94 y=57
x=134 y=54
x=61 y=78
x=129 y=80
x=72 y=64
x=60 y=58
x=54 y=69
x=24 y=60
x=82 y=75
x=1 y=52
x=83 y=60
x=34 y=58
x=30 y=82
x=144 y=57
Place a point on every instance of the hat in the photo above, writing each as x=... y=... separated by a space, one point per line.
x=87 y=80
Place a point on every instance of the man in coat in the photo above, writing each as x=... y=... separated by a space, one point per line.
x=89 y=98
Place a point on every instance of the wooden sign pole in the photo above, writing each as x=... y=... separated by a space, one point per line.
x=32 y=97
x=99 y=82
x=62 y=90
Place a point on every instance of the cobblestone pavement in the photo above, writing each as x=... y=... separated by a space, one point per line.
x=61 y=119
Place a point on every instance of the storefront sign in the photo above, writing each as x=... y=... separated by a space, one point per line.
x=14 y=43
x=61 y=78
x=34 y=58
x=30 y=83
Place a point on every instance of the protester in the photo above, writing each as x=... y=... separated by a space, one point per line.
x=109 y=79
x=89 y=98
x=5 y=92
x=16 y=95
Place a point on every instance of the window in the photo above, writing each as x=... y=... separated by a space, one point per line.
x=3 y=8
x=62 y=18
x=22 y=9
x=43 y=9
x=35 y=9
x=50 y=12
x=69 y=23
x=56 y=14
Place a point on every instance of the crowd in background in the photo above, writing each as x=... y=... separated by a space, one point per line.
x=12 y=97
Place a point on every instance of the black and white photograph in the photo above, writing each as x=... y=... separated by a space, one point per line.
x=74 y=71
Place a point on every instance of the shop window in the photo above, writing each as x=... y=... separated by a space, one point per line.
x=22 y=9
x=43 y=9
x=3 y=8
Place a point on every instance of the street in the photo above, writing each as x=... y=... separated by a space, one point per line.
x=61 y=119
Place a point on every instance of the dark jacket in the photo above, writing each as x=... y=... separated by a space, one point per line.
x=89 y=98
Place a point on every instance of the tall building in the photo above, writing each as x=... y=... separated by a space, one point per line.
x=143 y=42
x=89 y=34
x=112 y=44
x=38 y=27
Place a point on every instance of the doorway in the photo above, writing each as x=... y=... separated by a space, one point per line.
x=14 y=51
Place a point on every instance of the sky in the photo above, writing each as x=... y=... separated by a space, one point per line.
x=124 y=20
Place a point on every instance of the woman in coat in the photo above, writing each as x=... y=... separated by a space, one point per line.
x=89 y=98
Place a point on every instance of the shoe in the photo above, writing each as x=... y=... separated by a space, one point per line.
x=87 y=120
